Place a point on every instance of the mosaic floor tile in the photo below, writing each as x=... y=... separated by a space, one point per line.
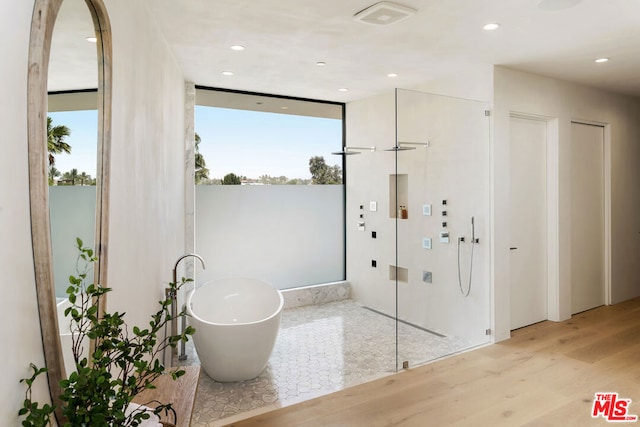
x=320 y=349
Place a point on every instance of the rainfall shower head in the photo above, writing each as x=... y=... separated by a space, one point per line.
x=347 y=151
x=399 y=148
x=402 y=146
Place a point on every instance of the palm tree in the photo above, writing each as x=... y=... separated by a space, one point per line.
x=202 y=173
x=53 y=174
x=85 y=178
x=55 y=140
x=70 y=178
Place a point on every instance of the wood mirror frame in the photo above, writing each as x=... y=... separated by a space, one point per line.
x=43 y=20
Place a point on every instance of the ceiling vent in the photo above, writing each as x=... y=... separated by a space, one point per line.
x=384 y=13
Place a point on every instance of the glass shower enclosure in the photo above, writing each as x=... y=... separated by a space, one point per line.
x=418 y=222
x=441 y=206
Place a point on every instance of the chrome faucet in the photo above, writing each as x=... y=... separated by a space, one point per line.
x=175 y=267
x=174 y=304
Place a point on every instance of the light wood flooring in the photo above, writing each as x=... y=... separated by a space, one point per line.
x=545 y=375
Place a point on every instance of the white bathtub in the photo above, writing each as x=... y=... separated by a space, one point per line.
x=237 y=323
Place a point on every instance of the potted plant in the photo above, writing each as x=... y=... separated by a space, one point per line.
x=122 y=362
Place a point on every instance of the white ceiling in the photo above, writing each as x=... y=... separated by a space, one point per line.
x=285 y=38
x=73 y=62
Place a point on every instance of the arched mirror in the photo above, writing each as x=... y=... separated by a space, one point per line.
x=72 y=131
x=79 y=79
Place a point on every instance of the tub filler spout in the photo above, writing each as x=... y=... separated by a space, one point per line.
x=174 y=304
x=175 y=267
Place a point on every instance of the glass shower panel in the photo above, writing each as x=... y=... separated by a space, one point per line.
x=441 y=202
x=370 y=234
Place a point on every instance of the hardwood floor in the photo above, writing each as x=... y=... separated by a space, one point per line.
x=546 y=375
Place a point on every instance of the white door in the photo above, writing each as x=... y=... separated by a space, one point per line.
x=587 y=217
x=528 y=221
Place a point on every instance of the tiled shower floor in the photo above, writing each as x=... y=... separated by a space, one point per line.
x=320 y=349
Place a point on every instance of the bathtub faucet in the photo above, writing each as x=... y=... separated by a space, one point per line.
x=175 y=267
x=174 y=304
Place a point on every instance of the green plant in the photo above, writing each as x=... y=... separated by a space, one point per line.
x=122 y=363
x=36 y=416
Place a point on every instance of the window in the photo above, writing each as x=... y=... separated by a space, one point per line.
x=262 y=140
x=287 y=235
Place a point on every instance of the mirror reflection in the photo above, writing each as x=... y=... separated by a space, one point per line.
x=72 y=140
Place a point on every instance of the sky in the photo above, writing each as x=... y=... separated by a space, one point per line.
x=254 y=143
x=83 y=140
x=242 y=142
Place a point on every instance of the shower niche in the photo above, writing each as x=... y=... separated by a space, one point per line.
x=399 y=196
x=398 y=210
x=399 y=274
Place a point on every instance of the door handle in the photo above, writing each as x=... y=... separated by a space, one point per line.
x=512 y=249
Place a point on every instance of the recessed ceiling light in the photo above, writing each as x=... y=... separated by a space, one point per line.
x=344 y=89
x=599 y=60
x=91 y=39
x=392 y=75
x=284 y=108
x=491 y=26
x=321 y=63
x=227 y=73
x=236 y=47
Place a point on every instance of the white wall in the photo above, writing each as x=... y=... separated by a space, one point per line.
x=454 y=168
x=562 y=102
x=147 y=174
x=20 y=336
x=370 y=123
x=286 y=235
x=147 y=192
x=469 y=81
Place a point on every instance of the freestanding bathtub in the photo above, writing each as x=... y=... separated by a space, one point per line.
x=237 y=322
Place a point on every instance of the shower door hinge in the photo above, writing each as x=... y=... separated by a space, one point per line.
x=487 y=331
x=487 y=113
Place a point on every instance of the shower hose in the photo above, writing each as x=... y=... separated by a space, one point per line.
x=465 y=293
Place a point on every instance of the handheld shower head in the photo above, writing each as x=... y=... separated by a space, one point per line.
x=473 y=230
x=465 y=293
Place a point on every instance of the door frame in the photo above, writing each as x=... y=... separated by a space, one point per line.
x=607 y=200
x=559 y=295
x=552 y=209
